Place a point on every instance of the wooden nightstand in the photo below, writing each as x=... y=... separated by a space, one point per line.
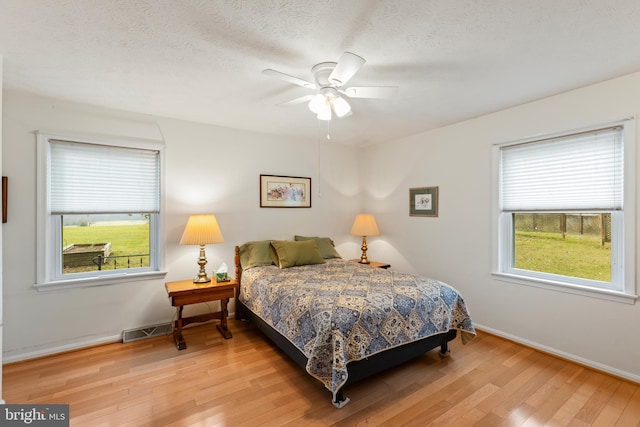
x=186 y=292
x=375 y=264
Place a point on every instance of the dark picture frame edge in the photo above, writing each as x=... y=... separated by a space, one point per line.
x=283 y=191
x=423 y=201
x=5 y=190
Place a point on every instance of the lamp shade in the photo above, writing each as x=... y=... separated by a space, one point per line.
x=317 y=103
x=201 y=230
x=325 y=112
x=341 y=107
x=365 y=225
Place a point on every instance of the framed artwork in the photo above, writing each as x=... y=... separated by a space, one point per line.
x=423 y=201
x=285 y=191
x=5 y=188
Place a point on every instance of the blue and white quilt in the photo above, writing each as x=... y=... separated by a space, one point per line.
x=342 y=311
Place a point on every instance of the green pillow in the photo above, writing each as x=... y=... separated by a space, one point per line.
x=325 y=246
x=255 y=254
x=291 y=254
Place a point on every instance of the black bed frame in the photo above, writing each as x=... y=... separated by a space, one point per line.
x=358 y=370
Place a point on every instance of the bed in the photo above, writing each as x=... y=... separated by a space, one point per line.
x=340 y=320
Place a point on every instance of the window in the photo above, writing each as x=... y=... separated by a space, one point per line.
x=565 y=211
x=99 y=211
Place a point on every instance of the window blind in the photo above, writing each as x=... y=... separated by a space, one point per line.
x=92 y=178
x=580 y=172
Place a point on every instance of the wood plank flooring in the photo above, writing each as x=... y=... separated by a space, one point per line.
x=246 y=381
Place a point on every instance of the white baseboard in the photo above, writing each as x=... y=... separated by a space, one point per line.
x=24 y=354
x=581 y=360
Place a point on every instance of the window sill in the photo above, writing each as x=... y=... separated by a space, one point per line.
x=99 y=281
x=606 y=294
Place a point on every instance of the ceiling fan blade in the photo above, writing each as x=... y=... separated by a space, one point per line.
x=347 y=66
x=379 y=92
x=300 y=100
x=287 y=78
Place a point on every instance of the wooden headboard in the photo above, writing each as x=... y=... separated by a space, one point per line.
x=238 y=266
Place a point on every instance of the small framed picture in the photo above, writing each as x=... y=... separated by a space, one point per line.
x=423 y=201
x=285 y=191
x=5 y=188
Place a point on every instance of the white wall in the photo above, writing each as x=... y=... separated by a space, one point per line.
x=456 y=247
x=208 y=170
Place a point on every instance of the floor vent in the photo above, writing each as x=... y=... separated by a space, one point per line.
x=146 y=332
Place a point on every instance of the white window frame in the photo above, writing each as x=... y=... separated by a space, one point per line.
x=49 y=227
x=622 y=288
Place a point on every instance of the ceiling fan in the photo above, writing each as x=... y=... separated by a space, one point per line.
x=330 y=80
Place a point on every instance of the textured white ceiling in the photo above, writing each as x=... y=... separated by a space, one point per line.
x=202 y=60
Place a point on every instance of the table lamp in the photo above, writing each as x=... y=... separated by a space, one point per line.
x=201 y=230
x=364 y=225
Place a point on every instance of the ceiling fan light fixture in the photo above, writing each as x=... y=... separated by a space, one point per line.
x=341 y=106
x=317 y=103
x=325 y=112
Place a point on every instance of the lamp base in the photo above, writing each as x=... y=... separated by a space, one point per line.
x=363 y=257
x=204 y=279
x=202 y=274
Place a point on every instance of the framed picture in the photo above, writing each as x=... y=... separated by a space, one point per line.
x=5 y=188
x=285 y=191
x=423 y=201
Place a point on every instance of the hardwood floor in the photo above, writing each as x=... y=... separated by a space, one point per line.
x=245 y=381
